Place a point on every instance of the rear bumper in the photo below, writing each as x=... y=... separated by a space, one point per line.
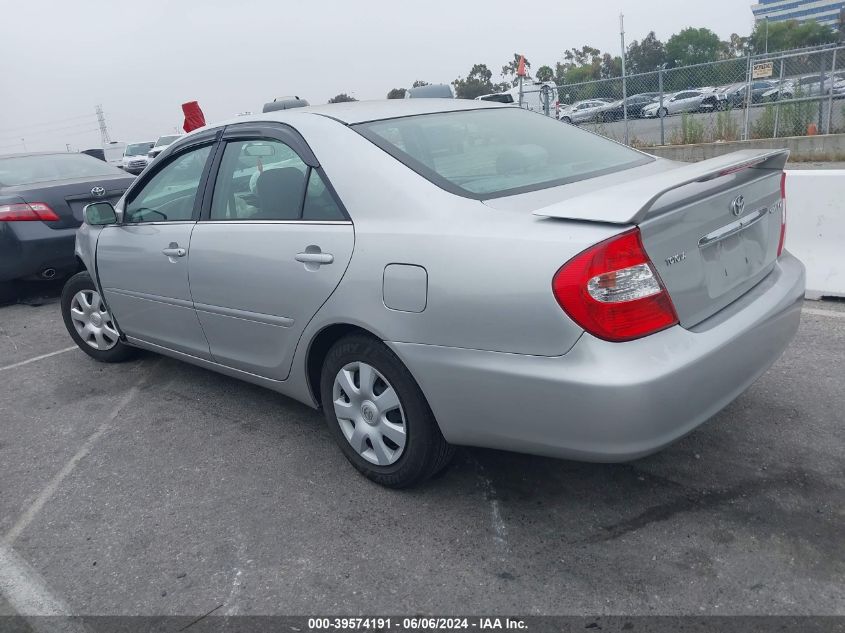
x=28 y=248
x=610 y=401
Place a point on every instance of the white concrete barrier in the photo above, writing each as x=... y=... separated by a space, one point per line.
x=815 y=228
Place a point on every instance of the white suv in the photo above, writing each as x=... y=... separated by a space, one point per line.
x=162 y=143
x=135 y=158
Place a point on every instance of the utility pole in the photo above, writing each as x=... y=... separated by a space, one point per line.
x=104 y=130
x=624 y=82
x=767 y=34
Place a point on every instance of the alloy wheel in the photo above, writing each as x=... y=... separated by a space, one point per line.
x=369 y=413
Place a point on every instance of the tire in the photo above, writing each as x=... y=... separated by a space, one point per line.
x=566 y=119
x=424 y=452
x=663 y=112
x=112 y=349
x=7 y=292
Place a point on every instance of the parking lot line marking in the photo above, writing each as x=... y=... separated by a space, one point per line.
x=28 y=594
x=27 y=517
x=37 y=358
x=828 y=313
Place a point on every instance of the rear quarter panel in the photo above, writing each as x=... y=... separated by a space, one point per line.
x=489 y=271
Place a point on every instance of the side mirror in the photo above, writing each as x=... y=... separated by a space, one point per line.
x=99 y=214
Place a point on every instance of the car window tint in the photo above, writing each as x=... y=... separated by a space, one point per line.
x=498 y=151
x=170 y=194
x=259 y=180
x=319 y=202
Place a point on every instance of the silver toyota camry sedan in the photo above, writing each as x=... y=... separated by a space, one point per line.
x=434 y=273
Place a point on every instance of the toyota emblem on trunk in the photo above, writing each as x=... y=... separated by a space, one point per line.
x=98 y=192
x=738 y=206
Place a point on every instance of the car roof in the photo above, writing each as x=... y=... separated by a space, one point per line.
x=352 y=112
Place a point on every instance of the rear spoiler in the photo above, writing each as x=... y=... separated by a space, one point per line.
x=630 y=202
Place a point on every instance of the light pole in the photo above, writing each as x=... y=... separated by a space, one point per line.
x=766 y=18
x=624 y=84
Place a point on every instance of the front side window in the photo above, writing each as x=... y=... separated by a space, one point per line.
x=170 y=195
x=497 y=152
x=267 y=180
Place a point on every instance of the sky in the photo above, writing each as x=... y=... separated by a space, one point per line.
x=142 y=60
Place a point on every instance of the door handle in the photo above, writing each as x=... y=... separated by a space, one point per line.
x=314 y=258
x=174 y=252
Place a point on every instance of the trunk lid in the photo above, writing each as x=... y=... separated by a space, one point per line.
x=711 y=229
x=69 y=197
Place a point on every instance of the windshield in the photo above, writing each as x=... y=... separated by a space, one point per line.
x=137 y=149
x=497 y=152
x=166 y=140
x=25 y=170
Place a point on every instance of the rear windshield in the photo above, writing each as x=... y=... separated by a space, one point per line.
x=491 y=153
x=25 y=170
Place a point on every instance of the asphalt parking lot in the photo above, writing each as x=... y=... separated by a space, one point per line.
x=155 y=487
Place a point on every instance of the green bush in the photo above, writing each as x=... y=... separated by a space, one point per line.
x=727 y=128
x=690 y=132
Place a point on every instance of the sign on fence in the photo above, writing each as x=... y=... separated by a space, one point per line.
x=761 y=71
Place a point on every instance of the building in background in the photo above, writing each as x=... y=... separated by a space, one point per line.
x=823 y=11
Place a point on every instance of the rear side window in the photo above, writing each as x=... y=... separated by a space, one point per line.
x=498 y=152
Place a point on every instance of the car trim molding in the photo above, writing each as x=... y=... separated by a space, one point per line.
x=257 y=317
x=245 y=315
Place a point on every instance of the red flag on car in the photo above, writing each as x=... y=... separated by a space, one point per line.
x=520 y=69
x=193 y=116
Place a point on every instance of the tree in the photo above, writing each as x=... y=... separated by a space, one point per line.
x=477 y=83
x=545 y=73
x=738 y=45
x=789 y=34
x=694 y=46
x=396 y=93
x=579 y=65
x=342 y=98
x=509 y=70
x=419 y=83
x=610 y=66
x=647 y=55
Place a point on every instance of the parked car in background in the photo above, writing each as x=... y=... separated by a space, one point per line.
x=589 y=110
x=135 y=158
x=430 y=91
x=633 y=104
x=441 y=272
x=41 y=202
x=683 y=101
x=810 y=86
x=733 y=96
x=113 y=153
x=534 y=95
x=497 y=97
x=162 y=143
x=96 y=152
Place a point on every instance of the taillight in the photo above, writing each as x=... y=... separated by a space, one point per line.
x=782 y=213
x=27 y=212
x=613 y=291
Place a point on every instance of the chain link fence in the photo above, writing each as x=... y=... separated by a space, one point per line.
x=789 y=93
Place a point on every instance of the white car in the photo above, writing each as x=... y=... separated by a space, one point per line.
x=584 y=111
x=162 y=143
x=684 y=101
x=135 y=158
x=533 y=96
x=810 y=86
